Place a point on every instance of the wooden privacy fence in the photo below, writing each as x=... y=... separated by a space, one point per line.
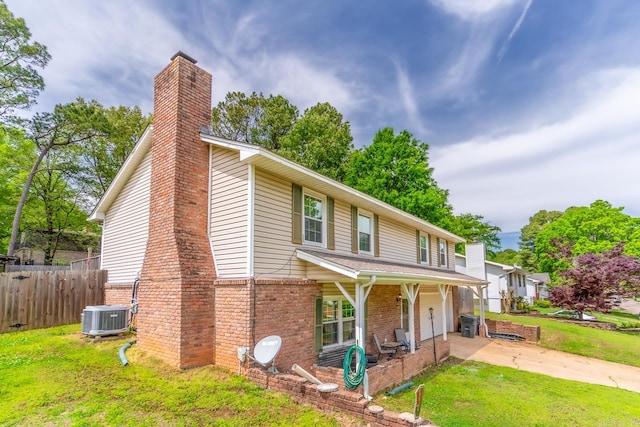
x=41 y=299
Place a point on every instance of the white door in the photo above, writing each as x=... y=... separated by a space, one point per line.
x=433 y=300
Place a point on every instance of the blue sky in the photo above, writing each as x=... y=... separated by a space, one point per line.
x=526 y=104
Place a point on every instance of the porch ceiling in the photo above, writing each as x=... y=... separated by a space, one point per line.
x=362 y=269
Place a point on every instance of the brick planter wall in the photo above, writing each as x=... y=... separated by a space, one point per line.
x=390 y=373
x=530 y=333
x=349 y=402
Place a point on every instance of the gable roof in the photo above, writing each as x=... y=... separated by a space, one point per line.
x=277 y=165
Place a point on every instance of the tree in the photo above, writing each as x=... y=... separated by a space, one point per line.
x=16 y=157
x=595 y=277
x=20 y=83
x=395 y=169
x=254 y=119
x=53 y=207
x=69 y=124
x=101 y=157
x=472 y=227
x=320 y=140
x=506 y=257
x=528 y=234
x=593 y=229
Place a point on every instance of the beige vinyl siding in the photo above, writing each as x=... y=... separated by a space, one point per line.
x=331 y=290
x=126 y=227
x=342 y=221
x=229 y=213
x=397 y=241
x=273 y=251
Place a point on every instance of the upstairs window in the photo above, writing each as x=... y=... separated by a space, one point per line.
x=313 y=219
x=364 y=233
x=424 y=250
x=443 y=253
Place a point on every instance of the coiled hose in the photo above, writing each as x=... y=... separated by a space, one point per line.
x=352 y=379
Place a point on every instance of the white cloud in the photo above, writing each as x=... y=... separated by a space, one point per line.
x=473 y=10
x=406 y=92
x=98 y=50
x=592 y=154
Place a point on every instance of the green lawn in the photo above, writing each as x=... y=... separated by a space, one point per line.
x=614 y=346
x=474 y=394
x=57 y=377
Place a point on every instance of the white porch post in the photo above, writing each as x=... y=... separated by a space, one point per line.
x=444 y=291
x=411 y=291
x=362 y=293
x=482 y=319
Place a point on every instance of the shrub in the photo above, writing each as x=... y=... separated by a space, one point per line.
x=543 y=303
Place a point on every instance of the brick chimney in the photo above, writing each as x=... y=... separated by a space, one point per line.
x=175 y=318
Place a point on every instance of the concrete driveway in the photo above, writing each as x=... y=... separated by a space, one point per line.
x=532 y=358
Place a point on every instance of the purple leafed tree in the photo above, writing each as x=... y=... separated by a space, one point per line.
x=594 y=278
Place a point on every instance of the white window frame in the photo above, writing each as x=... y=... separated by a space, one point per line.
x=442 y=253
x=323 y=199
x=340 y=321
x=369 y=216
x=425 y=248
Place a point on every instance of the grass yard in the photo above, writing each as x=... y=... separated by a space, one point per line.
x=614 y=346
x=57 y=377
x=466 y=393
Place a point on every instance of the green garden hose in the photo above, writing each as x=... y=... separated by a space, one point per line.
x=352 y=379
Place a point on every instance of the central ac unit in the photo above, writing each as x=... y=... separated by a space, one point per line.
x=104 y=319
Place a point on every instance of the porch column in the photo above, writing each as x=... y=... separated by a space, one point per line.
x=411 y=291
x=362 y=293
x=482 y=319
x=444 y=291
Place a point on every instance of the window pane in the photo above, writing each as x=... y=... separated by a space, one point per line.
x=312 y=207
x=330 y=333
x=423 y=254
x=347 y=310
x=312 y=230
x=405 y=314
x=348 y=330
x=329 y=311
x=365 y=242
x=364 y=233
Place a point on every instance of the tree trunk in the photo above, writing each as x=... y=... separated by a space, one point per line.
x=23 y=200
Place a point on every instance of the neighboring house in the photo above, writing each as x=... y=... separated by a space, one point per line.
x=501 y=277
x=540 y=284
x=234 y=243
x=70 y=246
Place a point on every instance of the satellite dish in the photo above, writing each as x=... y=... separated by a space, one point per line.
x=266 y=351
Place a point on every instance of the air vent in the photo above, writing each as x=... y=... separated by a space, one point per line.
x=104 y=319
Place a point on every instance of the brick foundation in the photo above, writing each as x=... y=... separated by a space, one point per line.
x=349 y=402
x=118 y=294
x=530 y=333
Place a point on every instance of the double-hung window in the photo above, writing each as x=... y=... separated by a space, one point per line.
x=365 y=233
x=338 y=322
x=313 y=219
x=443 y=253
x=424 y=249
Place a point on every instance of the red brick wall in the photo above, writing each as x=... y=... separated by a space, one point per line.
x=384 y=315
x=247 y=311
x=233 y=320
x=390 y=373
x=287 y=308
x=350 y=402
x=530 y=333
x=175 y=319
x=118 y=294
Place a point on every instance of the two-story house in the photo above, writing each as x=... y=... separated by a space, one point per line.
x=234 y=243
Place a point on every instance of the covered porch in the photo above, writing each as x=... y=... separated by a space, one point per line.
x=363 y=297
